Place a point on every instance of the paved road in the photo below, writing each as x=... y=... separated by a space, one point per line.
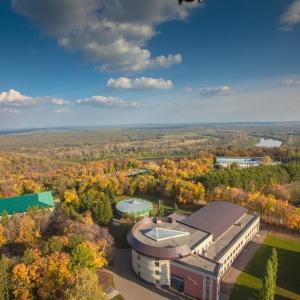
x=239 y=265
x=130 y=286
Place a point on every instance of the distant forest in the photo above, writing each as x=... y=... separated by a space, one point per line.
x=153 y=143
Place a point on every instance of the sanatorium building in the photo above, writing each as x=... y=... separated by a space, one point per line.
x=191 y=253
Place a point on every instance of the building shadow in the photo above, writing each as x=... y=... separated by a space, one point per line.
x=287 y=278
x=122 y=268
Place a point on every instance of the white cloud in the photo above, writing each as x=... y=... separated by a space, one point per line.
x=141 y=83
x=16 y=99
x=291 y=82
x=12 y=99
x=217 y=91
x=64 y=111
x=291 y=16
x=111 y=33
x=108 y=102
x=59 y=102
x=212 y=91
x=166 y=61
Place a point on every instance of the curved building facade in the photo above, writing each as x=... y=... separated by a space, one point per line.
x=152 y=270
x=191 y=254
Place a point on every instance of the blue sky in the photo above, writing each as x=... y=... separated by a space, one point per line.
x=107 y=62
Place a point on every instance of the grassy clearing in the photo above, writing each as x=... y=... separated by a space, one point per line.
x=249 y=283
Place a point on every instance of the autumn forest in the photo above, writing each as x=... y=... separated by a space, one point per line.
x=51 y=255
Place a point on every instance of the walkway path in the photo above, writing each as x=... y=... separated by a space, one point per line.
x=112 y=294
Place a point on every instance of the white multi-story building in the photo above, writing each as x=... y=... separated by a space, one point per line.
x=191 y=254
x=242 y=162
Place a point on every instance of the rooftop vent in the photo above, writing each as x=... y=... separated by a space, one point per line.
x=171 y=220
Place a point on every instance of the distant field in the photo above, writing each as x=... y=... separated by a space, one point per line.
x=288 y=283
x=145 y=143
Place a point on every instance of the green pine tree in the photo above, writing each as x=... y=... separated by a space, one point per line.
x=102 y=210
x=274 y=260
x=266 y=291
x=161 y=208
x=4 y=278
x=269 y=281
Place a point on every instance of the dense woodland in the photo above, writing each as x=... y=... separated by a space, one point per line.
x=52 y=256
x=96 y=186
x=58 y=255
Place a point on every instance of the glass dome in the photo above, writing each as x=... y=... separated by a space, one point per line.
x=134 y=207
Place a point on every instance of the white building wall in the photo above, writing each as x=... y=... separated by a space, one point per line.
x=200 y=249
x=151 y=270
x=228 y=258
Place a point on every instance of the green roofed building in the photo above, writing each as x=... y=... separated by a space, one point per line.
x=134 y=207
x=21 y=204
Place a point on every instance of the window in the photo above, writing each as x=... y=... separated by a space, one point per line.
x=156 y=272
x=157 y=281
x=139 y=257
x=157 y=263
x=177 y=283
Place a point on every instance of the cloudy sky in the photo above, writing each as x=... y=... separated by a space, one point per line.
x=109 y=62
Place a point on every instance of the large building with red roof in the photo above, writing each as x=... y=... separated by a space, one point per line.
x=191 y=254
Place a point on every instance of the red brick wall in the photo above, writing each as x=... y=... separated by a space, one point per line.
x=193 y=283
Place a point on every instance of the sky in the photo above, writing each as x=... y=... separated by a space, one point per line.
x=117 y=62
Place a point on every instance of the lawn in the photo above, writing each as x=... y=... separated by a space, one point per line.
x=248 y=283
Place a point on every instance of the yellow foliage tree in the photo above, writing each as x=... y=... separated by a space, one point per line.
x=30 y=186
x=55 y=275
x=71 y=198
x=23 y=280
x=28 y=231
x=2 y=235
x=98 y=250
